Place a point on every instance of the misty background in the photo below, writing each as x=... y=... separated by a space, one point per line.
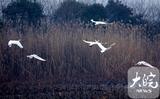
x=149 y=8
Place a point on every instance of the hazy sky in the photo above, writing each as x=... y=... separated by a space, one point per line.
x=132 y=3
x=137 y=5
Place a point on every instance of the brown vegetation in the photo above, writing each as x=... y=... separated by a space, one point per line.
x=69 y=59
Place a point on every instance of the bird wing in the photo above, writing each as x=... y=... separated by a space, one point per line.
x=39 y=58
x=108 y=48
x=89 y=42
x=29 y=56
x=19 y=44
x=112 y=44
x=145 y=63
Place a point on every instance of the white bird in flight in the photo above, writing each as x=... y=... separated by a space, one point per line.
x=36 y=57
x=103 y=49
x=145 y=63
x=15 y=42
x=98 y=22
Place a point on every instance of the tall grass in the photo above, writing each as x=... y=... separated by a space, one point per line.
x=69 y=59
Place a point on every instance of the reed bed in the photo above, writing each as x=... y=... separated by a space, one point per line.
x=69 y=59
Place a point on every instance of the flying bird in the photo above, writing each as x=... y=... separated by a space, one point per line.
x=103 y=49
x=36 y=57
x=108 y=48
x=145 y=63
x=15 y=42
x=98 y=22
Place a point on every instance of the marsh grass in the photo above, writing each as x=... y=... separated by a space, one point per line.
x=69 y=59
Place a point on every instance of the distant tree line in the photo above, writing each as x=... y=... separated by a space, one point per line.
x=113 y=11
x=20 y=11
x=23 y=11
x=31 y=12
x=1 y=24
